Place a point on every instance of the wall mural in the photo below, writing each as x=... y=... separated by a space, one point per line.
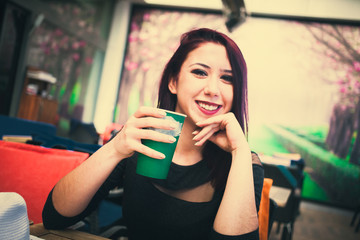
x=69 y=60
x=304 y=88
x=74 y=62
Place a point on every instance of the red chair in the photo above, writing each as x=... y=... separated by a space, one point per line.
x=32 y=171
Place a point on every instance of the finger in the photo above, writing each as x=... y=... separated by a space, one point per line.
x=149 y=111
x=195 y=132
x=153 y=135
x=152 y=122
x=206 y=135
x=203 y=132
x=209 y=121
x=217 y=119
x=131 y=141
x=138 y=147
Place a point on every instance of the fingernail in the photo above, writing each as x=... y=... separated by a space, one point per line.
x=161 y=156
x=195 y=132
x=172 y=139
x=197 y=144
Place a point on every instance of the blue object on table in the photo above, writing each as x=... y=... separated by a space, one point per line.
x=43 y=134
x=18 y=126
x=64 y=143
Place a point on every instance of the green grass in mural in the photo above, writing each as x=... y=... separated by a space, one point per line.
x=261 y=140
x=75 y=93
x=317 y=135
x=319 y=131
x=62 y=92
x=351 y=145
x=311 y=190
x=324 y=165
x=63 y=127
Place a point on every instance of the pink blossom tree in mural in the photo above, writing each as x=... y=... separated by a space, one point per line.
x=341 y=47
x=69 y=60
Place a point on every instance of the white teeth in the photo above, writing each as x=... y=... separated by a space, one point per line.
x=208 y=107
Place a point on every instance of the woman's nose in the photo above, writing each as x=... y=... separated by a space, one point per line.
x=212 y=87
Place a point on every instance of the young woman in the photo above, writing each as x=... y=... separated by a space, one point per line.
x=214 y=185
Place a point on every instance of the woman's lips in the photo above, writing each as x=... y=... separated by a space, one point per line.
x=208 y=108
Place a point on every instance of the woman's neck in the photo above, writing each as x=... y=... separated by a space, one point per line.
x=186 y=152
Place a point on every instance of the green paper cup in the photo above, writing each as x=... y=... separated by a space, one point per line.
x=159 y=168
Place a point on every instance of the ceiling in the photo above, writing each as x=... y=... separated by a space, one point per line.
x=324 y=9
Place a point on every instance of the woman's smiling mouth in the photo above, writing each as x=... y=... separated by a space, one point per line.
x=208 y=108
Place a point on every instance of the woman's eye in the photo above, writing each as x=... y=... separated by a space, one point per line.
x=199 y=72
x=228 y=78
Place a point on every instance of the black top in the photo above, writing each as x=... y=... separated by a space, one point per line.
x=152 y=214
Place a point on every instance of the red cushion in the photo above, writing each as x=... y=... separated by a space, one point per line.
x=32 y=171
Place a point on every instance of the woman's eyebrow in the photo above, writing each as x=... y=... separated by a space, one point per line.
x=206 y=66
x=201 y=64
x=227 y=71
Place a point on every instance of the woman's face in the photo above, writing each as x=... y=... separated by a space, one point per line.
x=204 y=87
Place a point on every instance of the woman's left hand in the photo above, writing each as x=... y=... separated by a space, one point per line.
x=223 y=130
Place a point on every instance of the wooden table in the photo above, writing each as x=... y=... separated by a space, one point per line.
x=275 y=160
x=280 y=195
x=284 y=159
x=39 y=231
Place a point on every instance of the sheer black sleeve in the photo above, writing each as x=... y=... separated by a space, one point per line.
x=54 y=220
x=258 y=174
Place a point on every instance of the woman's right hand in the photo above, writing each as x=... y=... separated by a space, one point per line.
x=128 y=140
